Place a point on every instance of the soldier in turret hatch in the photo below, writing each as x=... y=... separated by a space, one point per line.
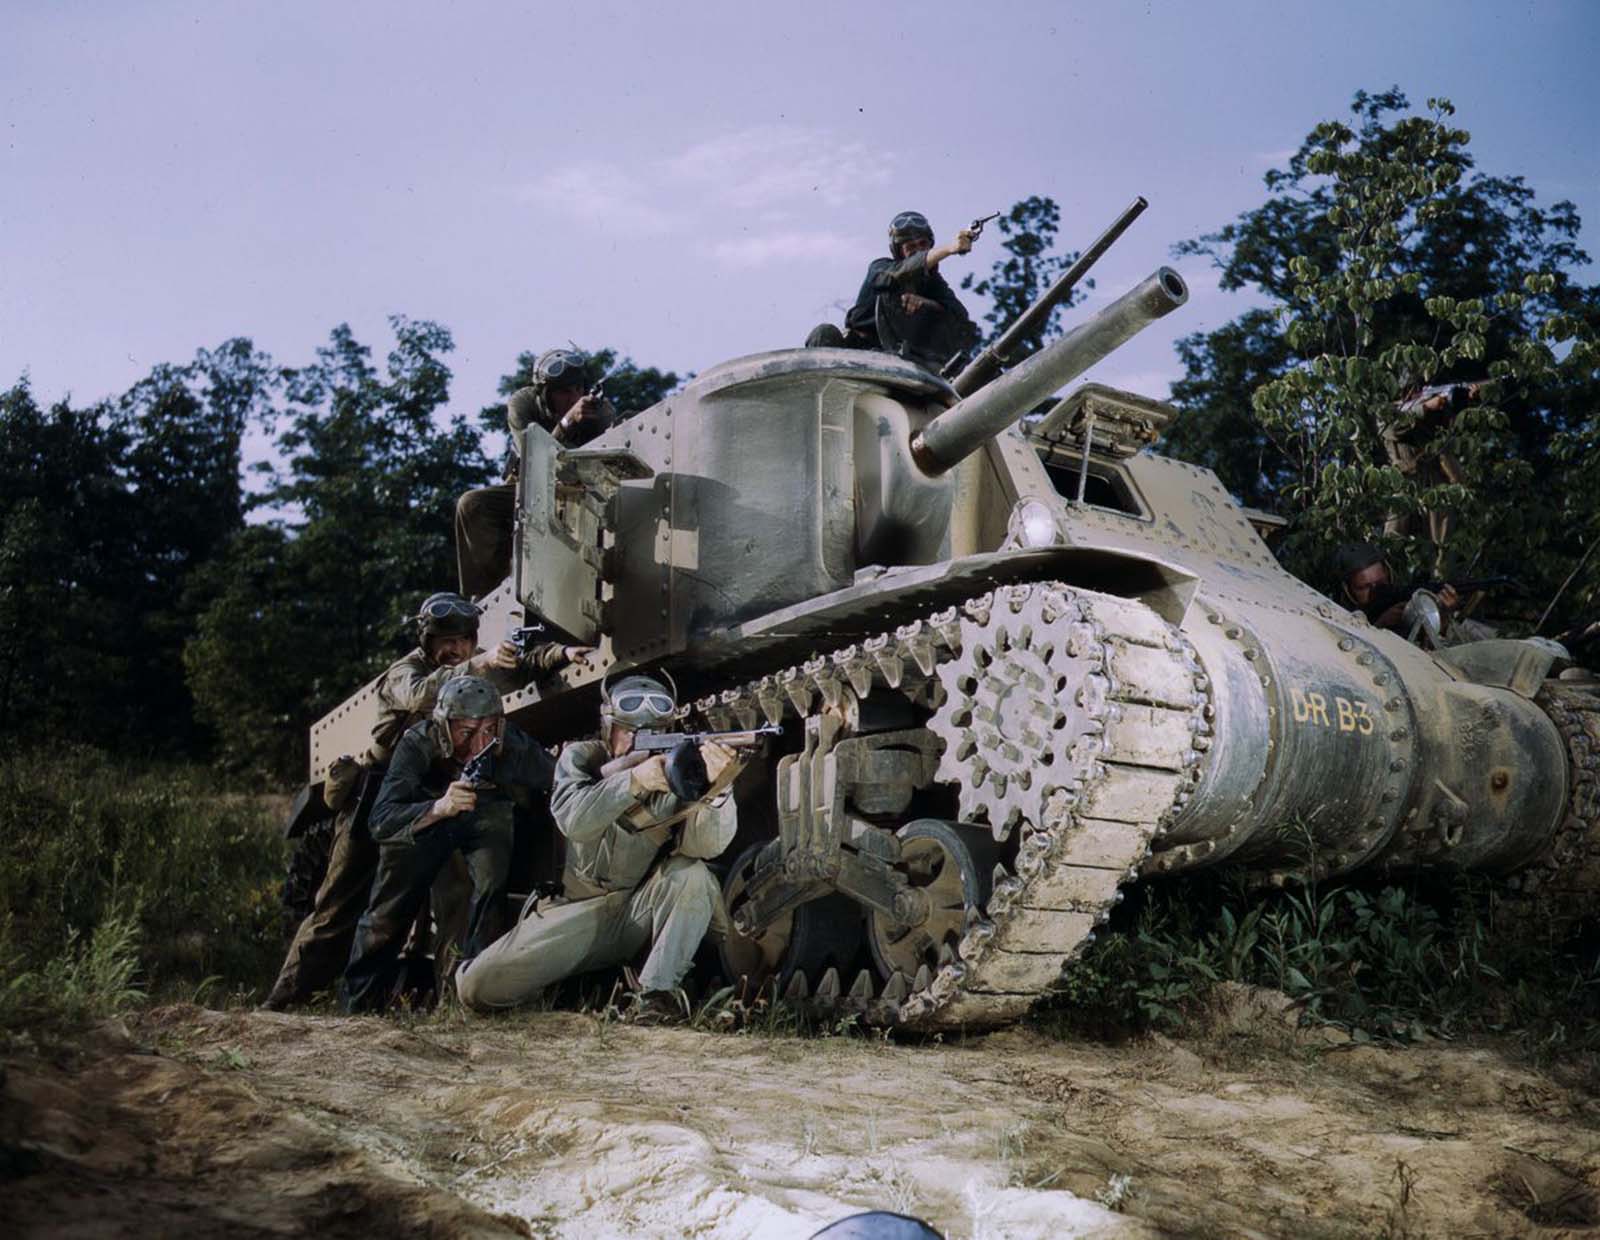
x=559 y=401
x=905 y=306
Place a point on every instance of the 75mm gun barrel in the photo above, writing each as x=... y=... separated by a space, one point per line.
x=967 y=425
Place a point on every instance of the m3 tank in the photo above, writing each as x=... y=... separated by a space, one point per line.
x=1020 y=662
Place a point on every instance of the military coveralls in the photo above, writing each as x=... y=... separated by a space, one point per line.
x=626 y=887
x=410 y=859
x=932 y=336
x=406 y=693
x=485 y=516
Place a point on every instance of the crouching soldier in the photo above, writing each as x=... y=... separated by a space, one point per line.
x=636 y=862
x=450 y=788
x=447 y=627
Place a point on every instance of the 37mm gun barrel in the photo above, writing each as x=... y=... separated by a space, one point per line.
x=964 y=427
x=988 y=364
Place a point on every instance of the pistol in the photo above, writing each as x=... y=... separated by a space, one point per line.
x=976 y=227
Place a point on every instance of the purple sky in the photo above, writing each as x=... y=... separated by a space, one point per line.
x=684 y=182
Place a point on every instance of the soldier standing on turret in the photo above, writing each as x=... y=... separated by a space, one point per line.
x=557 y=400
x=905 y=306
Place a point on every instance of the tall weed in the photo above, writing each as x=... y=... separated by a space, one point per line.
x=104 y=861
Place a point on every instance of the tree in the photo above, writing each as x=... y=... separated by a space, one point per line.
x=1019 y=279
x=306 y=607
x=1393 y=265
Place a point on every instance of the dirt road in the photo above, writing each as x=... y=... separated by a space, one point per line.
x=198 y=1122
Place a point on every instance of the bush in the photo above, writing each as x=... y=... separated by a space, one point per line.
x=1435 y=955
x=105 y=861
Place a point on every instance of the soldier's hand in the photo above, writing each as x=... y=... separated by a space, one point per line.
x=964 y=241
x=578 y=654
x=912 y=303
x=1391 y=617
x=505 y=655
x=459 y=798
x=718 y=758
x=587 y=406
x=1448 y=598
x=649 y=776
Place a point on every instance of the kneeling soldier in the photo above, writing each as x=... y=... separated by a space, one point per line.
x=636 y=862
x=450 y=787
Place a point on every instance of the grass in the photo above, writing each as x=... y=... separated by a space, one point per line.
x=1436 y=957
x=120 y=880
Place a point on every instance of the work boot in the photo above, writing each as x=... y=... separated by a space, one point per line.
x=655 y=1007
x=283 y=995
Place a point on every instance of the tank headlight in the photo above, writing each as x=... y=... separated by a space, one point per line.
x=1033 y=524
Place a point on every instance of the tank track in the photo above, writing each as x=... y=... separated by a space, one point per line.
x=1073 y=722
x=1562 y=881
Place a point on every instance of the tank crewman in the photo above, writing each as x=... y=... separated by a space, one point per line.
x=905 y=306
x=1370 y=589
x=636 y=864
x=447 y=627
x=435 y=802
x=557 y=400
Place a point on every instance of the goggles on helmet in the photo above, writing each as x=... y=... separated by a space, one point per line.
x=561 y=364
x=443 y=606
x=910 y=222
x=637 y=701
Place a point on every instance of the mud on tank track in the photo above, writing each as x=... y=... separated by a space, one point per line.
x=1073 y=722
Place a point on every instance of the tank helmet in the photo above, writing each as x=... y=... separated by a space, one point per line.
x=447 y=614
x=637 y=702
x=559 y=368
x=468 y=697
x=904 y=227
x=1353 y=557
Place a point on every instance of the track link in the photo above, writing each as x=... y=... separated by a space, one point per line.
x=1072 y=721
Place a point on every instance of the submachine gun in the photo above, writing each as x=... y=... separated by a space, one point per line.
x=1388 y=594
x=686 y=769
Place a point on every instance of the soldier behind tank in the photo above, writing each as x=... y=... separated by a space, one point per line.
x=1368 y=587
x=430 y=808
x=905 y=306
x=447 y=627
x=636 y=865
x=558 y=401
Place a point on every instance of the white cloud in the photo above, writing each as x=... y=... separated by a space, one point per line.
x=782 y=166
x=602 y=195
x=758 y=187
x=786 y=247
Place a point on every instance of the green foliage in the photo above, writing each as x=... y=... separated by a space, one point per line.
x=1020 y=278
x=1393 y=266
x=105 y=516
x=87 y=843
x=306 y=607
x=1382 y=960
x=84 y=982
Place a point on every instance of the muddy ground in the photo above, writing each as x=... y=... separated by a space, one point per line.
x=188 y=1121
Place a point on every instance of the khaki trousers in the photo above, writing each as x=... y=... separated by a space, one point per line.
x=672 y=911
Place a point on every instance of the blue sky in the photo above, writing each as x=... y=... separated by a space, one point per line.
x=684 y=182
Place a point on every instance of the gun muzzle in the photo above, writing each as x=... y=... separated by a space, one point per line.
x=964 y=427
